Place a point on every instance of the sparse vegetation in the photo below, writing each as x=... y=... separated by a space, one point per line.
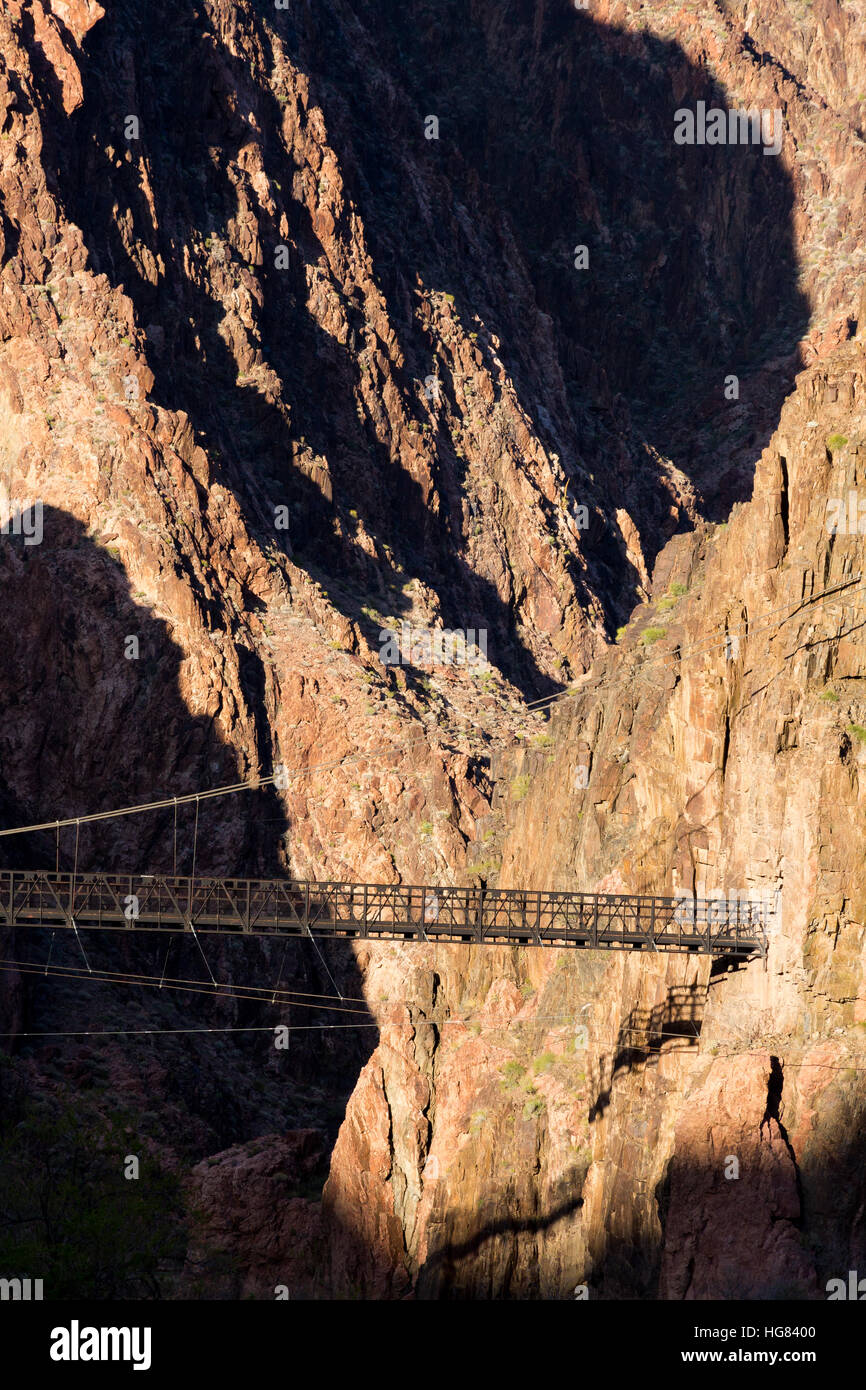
x=829 y=695
x=836 y=442
x=66 y=1215
x=669 y=600
x=519 y=787
x=484 y=869
x=857 y=731
x=543 y=1063
x=512 y=1074
x=503 y=426
x=651 y=634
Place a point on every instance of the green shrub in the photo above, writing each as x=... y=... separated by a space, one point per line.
x=836 y=441
x=621 y=631
x=519 y=787
x=512 y=1074
x=858 y=731
x=534 y=1106
x=651 y=634
x=484 y=868
x=830 y=696
x=677 y=590
x=543 y=1063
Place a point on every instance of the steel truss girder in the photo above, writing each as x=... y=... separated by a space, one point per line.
x=286 y=907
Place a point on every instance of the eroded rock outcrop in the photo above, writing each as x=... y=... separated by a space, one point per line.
x=237 y=277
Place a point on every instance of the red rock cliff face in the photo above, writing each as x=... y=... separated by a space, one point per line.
x=687 y=1145
x=242 y=288
x=723 y=773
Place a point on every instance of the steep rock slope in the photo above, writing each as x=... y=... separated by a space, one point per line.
x=737 y=769
x=545 y=1120
x=237 y=277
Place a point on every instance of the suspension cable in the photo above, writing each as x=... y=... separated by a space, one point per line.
x=539 y=706
x=72 y=898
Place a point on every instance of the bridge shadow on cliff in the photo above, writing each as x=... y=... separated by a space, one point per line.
x=444 y=1273
x=643 y=1033
x=86 y=728
x=779 y=1229
x=558 y=138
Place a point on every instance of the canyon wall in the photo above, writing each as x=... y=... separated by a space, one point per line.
x=288 y=367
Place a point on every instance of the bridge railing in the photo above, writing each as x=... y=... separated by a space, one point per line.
x=470 y=914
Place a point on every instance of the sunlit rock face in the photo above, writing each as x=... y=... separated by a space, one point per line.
x=317 y=328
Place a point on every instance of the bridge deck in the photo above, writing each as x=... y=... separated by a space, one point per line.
x=375 y=911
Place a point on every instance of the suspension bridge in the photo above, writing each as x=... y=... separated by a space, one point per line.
x=390 y=912
x=474 y=916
